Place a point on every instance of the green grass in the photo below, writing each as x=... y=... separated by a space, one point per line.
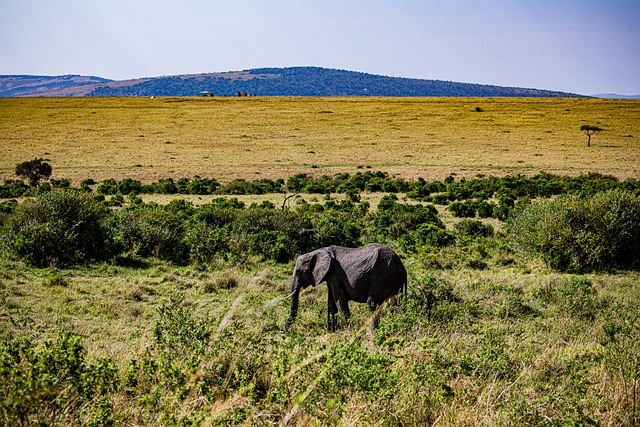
x=512 y=344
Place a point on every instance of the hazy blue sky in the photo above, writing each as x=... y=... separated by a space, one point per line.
x=583 y=46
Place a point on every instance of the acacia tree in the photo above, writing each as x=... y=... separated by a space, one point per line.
x=34 y=170
x=590 y=130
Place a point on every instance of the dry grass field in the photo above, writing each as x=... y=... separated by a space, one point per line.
x=227 y=138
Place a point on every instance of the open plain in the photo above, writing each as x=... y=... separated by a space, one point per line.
x=272 y=137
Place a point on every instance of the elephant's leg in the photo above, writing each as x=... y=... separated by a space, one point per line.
x=340 y=299
x=332 y=308
x=374 y=316
x=343 y=308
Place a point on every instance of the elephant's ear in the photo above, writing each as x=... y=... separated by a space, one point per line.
x=321 y=266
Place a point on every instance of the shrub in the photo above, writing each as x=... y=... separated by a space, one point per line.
x=393 y=219
x=8 y=206
x=270 y=233
x=62 y=227
x=13 y=188
x=205 y=242
x=472 y=228
x=600 y=232
x=337 y=228
x=54 y=384
x=128 y=186
x=465 y=209
x=108 y=186
x=427 y=234
x=154 y=231
x=178 y=334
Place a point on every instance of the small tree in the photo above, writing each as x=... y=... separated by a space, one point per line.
x=590 y=130
x=34 y=171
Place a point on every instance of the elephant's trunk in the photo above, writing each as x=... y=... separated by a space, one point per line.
x=295 y=295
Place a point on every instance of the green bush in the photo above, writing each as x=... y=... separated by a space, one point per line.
x=54 y=384
x=13 y=188
x=154 y=231
x=426 y=234
x=463 y=209
x=206 y=242
x=393 y=219
x=62 y=227
x=574 y=234
x=472 y=228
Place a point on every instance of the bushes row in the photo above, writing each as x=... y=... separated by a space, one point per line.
x=439 y=192
x=65 y=227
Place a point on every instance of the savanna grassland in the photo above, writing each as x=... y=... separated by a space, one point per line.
x=522 y=307
x=227 y=138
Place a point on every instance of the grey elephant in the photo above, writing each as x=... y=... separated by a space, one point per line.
x=370 y=274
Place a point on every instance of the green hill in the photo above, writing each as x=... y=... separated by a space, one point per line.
x=295 y=81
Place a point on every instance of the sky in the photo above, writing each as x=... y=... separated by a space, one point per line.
x=580 y=46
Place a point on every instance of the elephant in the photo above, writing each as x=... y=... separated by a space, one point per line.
x=369 y=274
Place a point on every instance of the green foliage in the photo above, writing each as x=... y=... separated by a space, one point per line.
x=354 y=370
x=392 y=219
x=13 y=188
x=62 y=227
x=599 y=232
x=154 y=231
x=8 y=206
x=465 y=209
x=431 y=235
x=34 y=170
x=54 y=383
x=227 y=230
x=575 y=297
x=471 y=228
x=177 y=334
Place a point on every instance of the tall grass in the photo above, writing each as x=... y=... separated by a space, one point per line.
x=463 y=347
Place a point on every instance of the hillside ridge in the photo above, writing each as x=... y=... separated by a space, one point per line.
x=21 y=85
x=290 y=81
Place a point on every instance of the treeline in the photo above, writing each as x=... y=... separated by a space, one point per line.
x=466 y=197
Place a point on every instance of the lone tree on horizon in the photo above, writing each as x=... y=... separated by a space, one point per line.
x=590 y=130
x=34 y=170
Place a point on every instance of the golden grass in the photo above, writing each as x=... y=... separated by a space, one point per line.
x=227 y=138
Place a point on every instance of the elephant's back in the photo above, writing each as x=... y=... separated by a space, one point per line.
x=391 y=268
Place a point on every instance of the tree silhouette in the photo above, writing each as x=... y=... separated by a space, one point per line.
x=590 y=130
x=34 y=171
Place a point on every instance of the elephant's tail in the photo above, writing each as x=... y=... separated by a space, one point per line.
x=404 y=282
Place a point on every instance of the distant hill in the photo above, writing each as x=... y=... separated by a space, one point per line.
x=294 y=81
x=616 y=96
x=30 y=85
